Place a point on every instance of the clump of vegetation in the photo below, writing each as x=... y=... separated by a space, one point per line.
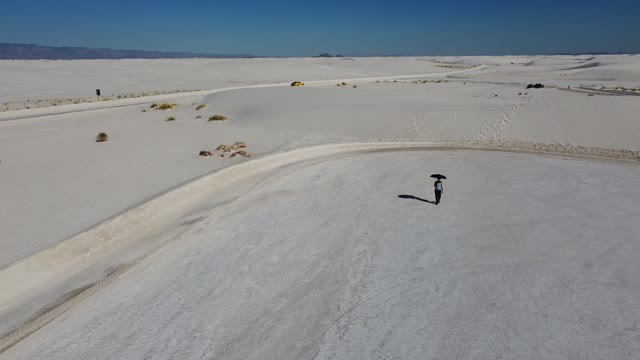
x=451 y=66
x=153 y=106
x=231 y=148
x=171 y=118
x=102 y=137
x=198 y=117
x=355 y=86
x=165 y=106
x=218 y=117
x=241 y=153
x=235 y=149
x=535 y=86
x=434 y=81
x=144 y=110
x=201 y=106
x=223 y=147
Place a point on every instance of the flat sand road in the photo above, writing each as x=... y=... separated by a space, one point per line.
x=526 y=257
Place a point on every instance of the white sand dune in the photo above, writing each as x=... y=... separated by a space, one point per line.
x=513 y=262
x=57 y=184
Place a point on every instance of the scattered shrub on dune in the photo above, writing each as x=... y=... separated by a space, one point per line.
x=153 y=106
x=171 y=118
x=102 y=137
x=355 y=86
x=165 y=106
x=230 y=148
x=144 y=110
x=201 y=106
x=241 y=153
x=198 y=117
x=205 y=153
x=218 y=117
x=223 y=147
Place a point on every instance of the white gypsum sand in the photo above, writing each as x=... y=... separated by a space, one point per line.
x=328 y=261
x=57 y=182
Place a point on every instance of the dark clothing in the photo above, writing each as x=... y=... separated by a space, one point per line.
x=437 y=187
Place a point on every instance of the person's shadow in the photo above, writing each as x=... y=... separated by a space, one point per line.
x=411 y=197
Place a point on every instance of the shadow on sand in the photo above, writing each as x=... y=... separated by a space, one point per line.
x=411 y=197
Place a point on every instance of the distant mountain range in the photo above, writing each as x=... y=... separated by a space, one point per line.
x=33 y=52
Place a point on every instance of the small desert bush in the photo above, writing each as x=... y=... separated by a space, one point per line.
x=144 y=110
x=241 y=153
x=165 y=106
x=201 y=106
x=153 y=106
x=198 y=117
x=171 y=118
x=102 y=137
x=217 y=117
x=225 y=148
x=205 y=153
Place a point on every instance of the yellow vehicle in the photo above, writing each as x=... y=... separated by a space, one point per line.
x=297 y=83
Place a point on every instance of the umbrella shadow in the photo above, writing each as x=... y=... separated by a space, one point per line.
x=411 y=197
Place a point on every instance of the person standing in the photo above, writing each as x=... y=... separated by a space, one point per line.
x=439 y=189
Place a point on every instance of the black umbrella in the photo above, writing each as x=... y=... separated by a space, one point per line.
x=438 y=176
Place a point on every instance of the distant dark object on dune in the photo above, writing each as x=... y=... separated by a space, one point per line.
x=535 y=86
x=325 y=55
x=205 y=153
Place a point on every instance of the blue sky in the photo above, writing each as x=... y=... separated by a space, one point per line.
x=307 y=28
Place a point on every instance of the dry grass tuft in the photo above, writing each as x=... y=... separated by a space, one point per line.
x=230 y=148
x=102 y=137
x=218 y=117
x=171 y=118
x=201 y=106
x=165 y=106
x=153 y=106
x=205 y=153
x=241 y=153
x=198 y=117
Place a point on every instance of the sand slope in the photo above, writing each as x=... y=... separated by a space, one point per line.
x=56 y=182
x=328 y=262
